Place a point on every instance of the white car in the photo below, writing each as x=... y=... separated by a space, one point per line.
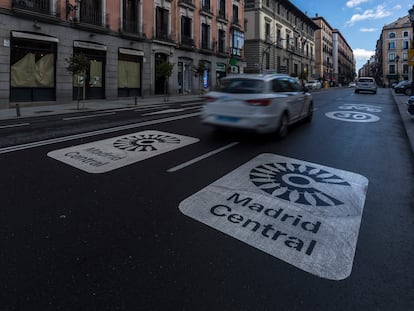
x=313 y=84
x=257 y=102
x=366 y=84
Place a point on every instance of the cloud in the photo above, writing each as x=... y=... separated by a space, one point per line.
x=362 y=54
x=377 y=13
x=368 y=29
x=354 y=3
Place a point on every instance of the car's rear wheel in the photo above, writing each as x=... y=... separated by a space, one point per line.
x=283 y=129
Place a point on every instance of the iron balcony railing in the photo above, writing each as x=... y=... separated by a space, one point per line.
x=93 y=17
x=39 y=6
x=188 y=41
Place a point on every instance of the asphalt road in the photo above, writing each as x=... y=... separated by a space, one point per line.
x=176 y=231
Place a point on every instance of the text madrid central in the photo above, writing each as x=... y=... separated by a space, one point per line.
x=268 y=230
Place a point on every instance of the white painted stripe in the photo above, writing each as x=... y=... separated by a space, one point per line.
x=89 y=116
x=94 y=133
x=192 y=104
x=170 y=110
x=150 y=108
x=202 y=157
x=14 y=125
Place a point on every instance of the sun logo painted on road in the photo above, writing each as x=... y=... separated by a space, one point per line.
x=144 y=142
x=296 y=183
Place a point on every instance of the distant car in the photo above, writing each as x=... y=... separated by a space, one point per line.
x=403 y=87
x=313 y=84
x=352 y=84
x=366 y=84
x=257 y=102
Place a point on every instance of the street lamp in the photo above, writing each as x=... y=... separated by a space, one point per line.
x=397 y=59
x=411 y=15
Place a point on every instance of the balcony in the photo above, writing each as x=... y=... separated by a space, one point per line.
x=187 y=3
x=130 y=29
x=92 y=17
x=187 y=42
x=40 y=8
x=163 y=35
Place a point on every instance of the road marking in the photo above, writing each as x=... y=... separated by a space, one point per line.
x=192 y=104
x=352 y=116
x=94 y=133
x=202 y=157
x=109 y=154
x=170 y=111
x=89 y=116
x=14 y=125
x=303 y=213
x=150 y=108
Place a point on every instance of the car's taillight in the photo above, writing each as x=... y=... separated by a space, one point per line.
x=209 y=99
x=259 y=102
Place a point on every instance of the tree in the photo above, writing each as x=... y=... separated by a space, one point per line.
x=198 y=72
x=164 y=71
x=78 y=64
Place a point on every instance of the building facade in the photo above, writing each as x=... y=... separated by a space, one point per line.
x=391 y=56
x=124 y=40
x=279 y=37
x=343 y=59
x=324 y=49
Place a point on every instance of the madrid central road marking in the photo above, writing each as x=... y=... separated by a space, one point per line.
x=305 y=214
x=109 y=154
x=94 y=133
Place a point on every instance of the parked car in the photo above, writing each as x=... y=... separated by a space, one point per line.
x=352 y=84
x=257 y=102
x=410 y=106
x=403 y=87
x=366 y=84
x=313 y=84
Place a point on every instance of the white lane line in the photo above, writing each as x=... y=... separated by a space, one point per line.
x=202 y=157
x=170 y=111
x=89 y=116
x=94 y=133
x=192 y=104
x=14 y=125
x=150 y=108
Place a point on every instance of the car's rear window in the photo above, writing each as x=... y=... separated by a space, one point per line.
x=366 y=80
x=241 y=86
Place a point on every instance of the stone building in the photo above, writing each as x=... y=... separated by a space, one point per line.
x=391 y=56
x=279 y=37
x=125 y=41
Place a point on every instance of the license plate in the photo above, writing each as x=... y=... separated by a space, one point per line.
x=227 y=118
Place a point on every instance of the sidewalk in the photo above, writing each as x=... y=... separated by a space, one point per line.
x=102 y=105
x=94 y=105
x=408 y=121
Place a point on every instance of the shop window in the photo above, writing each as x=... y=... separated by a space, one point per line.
x=129 y=75
x=32 y=70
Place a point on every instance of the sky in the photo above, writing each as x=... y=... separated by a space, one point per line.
x=359 y=21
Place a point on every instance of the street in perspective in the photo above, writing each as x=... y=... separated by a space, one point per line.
x=213 y=155
x=149 y=209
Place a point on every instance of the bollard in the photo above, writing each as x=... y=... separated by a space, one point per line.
x=18 y=110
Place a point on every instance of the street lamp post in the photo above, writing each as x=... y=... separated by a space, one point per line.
x=411 y=15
